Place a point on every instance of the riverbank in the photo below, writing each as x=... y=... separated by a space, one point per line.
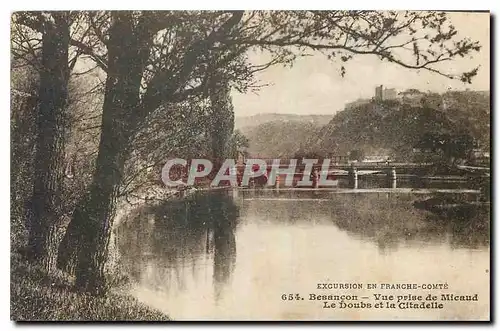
x=38 y=296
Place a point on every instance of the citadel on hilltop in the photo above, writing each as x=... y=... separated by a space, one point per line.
x=385 y=94
x=412 y=97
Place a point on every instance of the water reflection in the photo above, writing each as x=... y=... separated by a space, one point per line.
x=387 y=219
x=222 y=250
x=466 y=218
x=393 y=220
x=222 y=217
x=159 y=245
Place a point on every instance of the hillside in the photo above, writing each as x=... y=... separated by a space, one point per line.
x=279 y=138
x=395 y=127
x=245 y=122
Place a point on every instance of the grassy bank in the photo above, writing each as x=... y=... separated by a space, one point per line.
x=37 y=296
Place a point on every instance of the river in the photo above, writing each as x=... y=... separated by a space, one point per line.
x=232 y=255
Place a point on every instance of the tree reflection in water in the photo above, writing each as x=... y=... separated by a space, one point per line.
x=386 y=219
x=466 y=218
x=180 y=236
x=220 y=213
x=397 y=219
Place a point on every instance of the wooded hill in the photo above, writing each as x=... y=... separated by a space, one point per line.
x=392 y=127
x=396 y=127
x=279 y=138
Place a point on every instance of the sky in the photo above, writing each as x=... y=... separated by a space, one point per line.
x=314 y=85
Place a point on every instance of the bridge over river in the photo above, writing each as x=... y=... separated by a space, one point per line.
x=371 y=166
x=352 y=171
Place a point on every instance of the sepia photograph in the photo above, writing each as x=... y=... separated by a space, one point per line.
x=250 y=165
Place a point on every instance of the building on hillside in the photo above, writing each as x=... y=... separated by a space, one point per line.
x=415 y=98
x=379 y=93
x=411 y=96
x=382 y=94
x=390 y=94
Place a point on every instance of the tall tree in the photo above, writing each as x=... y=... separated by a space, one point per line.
x=50 y=122
x=221 y=120
x=127 y=55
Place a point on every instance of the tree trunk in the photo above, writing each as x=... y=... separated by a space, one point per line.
x=221 y=122
x=91 y=225
x=49 y=157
